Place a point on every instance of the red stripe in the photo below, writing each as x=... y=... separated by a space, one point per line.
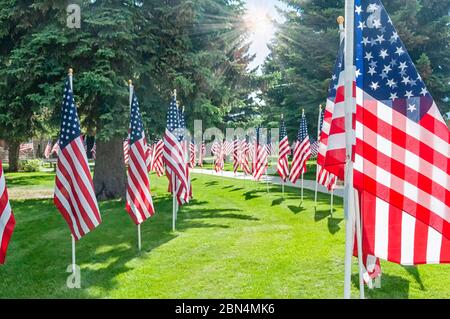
x=420 y=243
x=395 y=234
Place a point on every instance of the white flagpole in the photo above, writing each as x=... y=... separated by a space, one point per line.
x=131 y=87
x=302 y=187
x=317 y=164
x=349 y=197
x=174 y=202
x=359 y=245
x=331 y=202
x=282 y=188
x=73 y=255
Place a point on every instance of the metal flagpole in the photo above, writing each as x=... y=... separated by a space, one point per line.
x=317 y=163
x=174 y=202
x=282 y=188
x=130 y=85
x=73 y=238
x=331 y=202
x=349 y=197
x=359 y=245
x=302 y=188
x=73 y=255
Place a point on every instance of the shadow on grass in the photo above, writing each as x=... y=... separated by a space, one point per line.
x=414 y=271
x=278 y=201
x=211 y=183
x=296 y=209
x=392 y=287
x=333 y=225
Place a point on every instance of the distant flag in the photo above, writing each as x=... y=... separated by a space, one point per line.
x=174 y=156
x=283 y=153
x=84 y=143
x=260 y=159
x=26 y=147
x=245 y=161
x=227 y=147
x=302 y=151
x=324 y=177
x=314 y=148
x=94 y=150
x=218 y=149
x=158 y=160
x=139 y=200
x=269 y=144
x=149 y=154
x=55 y=148
x=192 y=151
x=48 y=150
x=202 y=153
x=126 y=147
x=74 y=192
x=236 y=152
x=7 y=221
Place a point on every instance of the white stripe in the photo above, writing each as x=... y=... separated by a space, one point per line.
x=5 y=215
x=407 y=241
x=336 y=141
x=381 y=229
x=434 y=244
x=141 y=182
x=66 y=205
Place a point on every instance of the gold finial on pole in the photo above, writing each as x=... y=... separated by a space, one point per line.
x=320 y=107
x=340 y=20
x=174 y=92
x=70 y=71
x=303 y=112
x=130 y=82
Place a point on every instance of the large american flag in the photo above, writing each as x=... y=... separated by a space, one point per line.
x=74 y=192
x=260 y=164
x=7 y=221
x=283 y=152
x=158 y=160
x=302 y=151
x=173 y=155
x=139 y=200
x=402 y=152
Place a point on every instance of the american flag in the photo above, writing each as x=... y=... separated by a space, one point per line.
x=55 y=148
x=126 y=148
x=173 y=155
x=202 y=153
x=269 y=144
x=260 y=159
x=192 y=151
x=283 y=152
x=7 y=221
x=149 y=152
x=236 y=152
x=158 y=160
x=48 y=150
x=314 y=148
x=302 y=151
x=186 y=148
x=245 y=161
x=402 y=152
x=218 y=149
x=139 y=200
x=227 y=147
x=94 y=150
x=324 y=177
x=74 y=192
x=26 y=147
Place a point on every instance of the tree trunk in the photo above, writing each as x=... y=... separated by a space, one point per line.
x=109 y=172
x=13 y=155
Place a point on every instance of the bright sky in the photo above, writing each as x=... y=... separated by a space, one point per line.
x=259 y=19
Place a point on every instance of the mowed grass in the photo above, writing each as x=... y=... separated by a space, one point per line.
x=233 y=241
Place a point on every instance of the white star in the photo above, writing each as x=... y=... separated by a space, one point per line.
x=357 y=73
x=411 y=107
x=372 y=7
x=368 y=56
x=391 y=83
x=399 y=51
x=394 y=37
x=372 y=71
x=424 y=91
x=387 y=69
x=402 y=66
x=380 y=38
x=409 y=94
x=333 y=77
x=393 y=96
x=406 y=80
x=383 y=54
x=362 y=25
x=358 y=10
x=365 y=40
x=376 y=23
x=374 y=86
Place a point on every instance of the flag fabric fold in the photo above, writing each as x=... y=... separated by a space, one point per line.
x=7 y=221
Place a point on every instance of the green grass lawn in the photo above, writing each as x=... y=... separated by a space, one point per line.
x=233 y=241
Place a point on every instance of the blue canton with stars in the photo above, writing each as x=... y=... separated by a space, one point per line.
x=182 y=124
x=136 y=126
x=303 y=130
x=384 y=69
x=70 y=125
x=173 y=120
x=283 y=131
x=338 y=68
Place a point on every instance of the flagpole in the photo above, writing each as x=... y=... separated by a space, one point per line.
x=73 y=238
x=331 y=202
x=317 y=163
x=302 y=189
x=359 y=245
x=73 y=255
x=349 y=205
x=130 y=86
